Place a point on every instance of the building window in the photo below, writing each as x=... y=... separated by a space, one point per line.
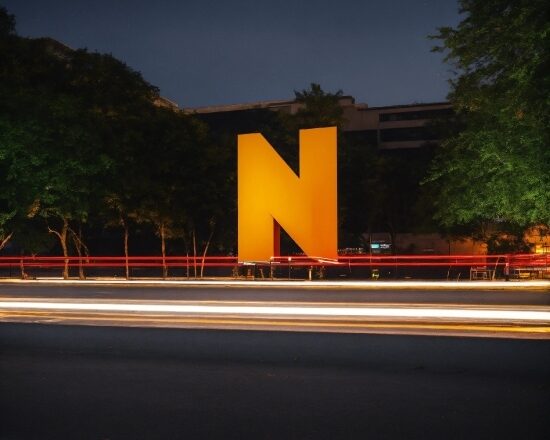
x=413 y=115
x=408 y=134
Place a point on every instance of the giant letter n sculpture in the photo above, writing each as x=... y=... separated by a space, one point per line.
x=271 y=194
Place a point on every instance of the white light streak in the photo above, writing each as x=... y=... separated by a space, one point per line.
x=270 y=311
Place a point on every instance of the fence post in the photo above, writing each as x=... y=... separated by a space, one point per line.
x=507 y=268
x=289 y=259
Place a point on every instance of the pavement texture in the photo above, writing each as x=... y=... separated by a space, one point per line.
x=84 y=382
x=489 y=293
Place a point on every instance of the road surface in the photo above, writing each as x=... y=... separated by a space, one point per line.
x=85 y=382
x=487 y=295
x=493 y=313
x=143 y=362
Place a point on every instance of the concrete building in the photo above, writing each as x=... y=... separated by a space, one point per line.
x=391 y=127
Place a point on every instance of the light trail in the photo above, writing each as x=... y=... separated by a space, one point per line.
x=542 y=285
x=446 y=313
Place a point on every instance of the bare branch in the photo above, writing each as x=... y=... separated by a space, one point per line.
x=5 y=240
x=78 y=241
x=51 y=231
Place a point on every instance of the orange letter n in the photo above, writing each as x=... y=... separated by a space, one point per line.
x=271 y=194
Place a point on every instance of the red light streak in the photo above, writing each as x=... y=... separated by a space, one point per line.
x=514 y=260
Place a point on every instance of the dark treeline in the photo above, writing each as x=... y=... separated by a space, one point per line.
x=84 y=147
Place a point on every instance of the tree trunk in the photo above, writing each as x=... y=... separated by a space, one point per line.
x=205 y=251
x=62 y=236
x=22 y=268
x=5 y=240
x=78 y=247
x=163 y=247
x=63 y=239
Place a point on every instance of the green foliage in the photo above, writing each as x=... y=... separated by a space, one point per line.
x=82 y=142
x=52 y=145
x=178 y=190
x=63 y=116
x=497 y=167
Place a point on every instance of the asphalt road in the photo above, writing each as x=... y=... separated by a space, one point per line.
x=63 y=382
x=272 y=294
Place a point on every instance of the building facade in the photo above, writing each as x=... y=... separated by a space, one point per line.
x=390 y=127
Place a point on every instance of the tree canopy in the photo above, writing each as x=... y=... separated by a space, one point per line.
x=495 y=167
x=83 y=144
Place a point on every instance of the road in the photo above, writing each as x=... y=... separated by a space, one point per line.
x=85 y=382
x=114 y=367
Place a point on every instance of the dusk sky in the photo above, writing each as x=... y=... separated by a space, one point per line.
x=209 y=52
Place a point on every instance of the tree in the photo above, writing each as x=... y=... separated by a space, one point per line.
x=496 y=167
x=63 y=114
x=125 y=100
x=46 y=140
x=163 y=179
x=5 y=232
x=7 y=213
x=7 y=23
x=180 y=188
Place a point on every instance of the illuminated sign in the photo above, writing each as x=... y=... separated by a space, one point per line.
x=271 y=195
x=380 y=246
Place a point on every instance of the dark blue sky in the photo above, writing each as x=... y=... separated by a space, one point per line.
x=208 y=52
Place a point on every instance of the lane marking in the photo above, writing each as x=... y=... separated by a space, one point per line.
x=416 y=312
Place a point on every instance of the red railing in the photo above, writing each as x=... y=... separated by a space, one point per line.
x=116 y=262
x=362 y=260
